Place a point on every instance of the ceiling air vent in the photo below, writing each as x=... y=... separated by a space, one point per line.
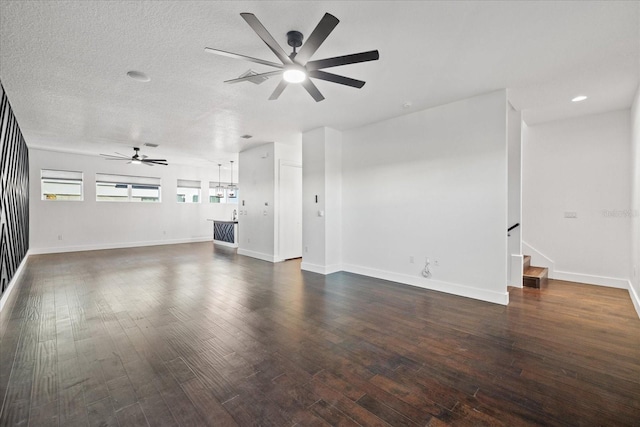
x=246 y=136
x=150 y=144
x=255 y=80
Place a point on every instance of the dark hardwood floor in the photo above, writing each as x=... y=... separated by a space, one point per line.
x=192 y=336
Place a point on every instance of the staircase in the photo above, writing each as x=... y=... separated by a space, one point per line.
x=534 y=277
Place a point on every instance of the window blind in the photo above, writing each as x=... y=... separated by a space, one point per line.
x=66 y=175
x=187 y=183
x=128 y=179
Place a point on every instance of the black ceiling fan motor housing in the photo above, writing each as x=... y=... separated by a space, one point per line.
x=294 y=39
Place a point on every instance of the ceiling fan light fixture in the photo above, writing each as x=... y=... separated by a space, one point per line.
x=294 y=74
x=136 y=162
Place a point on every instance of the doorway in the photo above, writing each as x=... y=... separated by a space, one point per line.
x=290 y=210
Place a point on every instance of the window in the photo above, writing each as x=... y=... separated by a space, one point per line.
x=188 y=191
x=124 y=188
x=227 y=195
x=60 y=185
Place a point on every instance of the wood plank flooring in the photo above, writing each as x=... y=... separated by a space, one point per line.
x=189 y=335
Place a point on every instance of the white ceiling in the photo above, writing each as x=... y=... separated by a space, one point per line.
x=64 y=65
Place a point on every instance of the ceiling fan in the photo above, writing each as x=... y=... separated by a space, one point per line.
x=296 y=67
x=136 y=159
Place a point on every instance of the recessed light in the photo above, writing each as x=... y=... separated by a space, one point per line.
x=139 y=76
x=579 y=98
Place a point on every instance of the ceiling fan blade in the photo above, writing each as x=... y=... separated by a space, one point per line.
x=248 y=78
x=347 y=81
x=336 y=61
x=266 y=37
x=313 y=90
x=246 y=58
x=317 y=37
x=112 y=157
x=152 y=160
x=276 y=93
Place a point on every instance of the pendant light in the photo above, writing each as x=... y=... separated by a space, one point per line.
x=219 y=188
x=231 y=191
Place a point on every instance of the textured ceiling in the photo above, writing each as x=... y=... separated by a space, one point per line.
x=64 y=65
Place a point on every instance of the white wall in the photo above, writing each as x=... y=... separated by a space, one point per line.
x=514 y=245
x=256 y=229
x=579 y=165
x=430 y=184
x=322 y=178
x=90 y=224
x=258 y=220
x=634 y=289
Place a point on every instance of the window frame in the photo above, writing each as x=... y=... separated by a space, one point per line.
x=131 y=183
x=188 y=184
x=52 y=176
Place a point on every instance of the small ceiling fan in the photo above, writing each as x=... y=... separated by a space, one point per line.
x=296 y=67
x=136 y=159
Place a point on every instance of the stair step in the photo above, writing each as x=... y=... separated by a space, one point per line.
x=535 y=277
x=527 y=261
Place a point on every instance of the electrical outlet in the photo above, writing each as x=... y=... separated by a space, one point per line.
x=436 y=262
x=410 y=260
x=59 y=236
x=248 y=240
x=306 y=249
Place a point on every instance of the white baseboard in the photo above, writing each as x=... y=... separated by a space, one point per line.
x=635 y=298
x=589 y=279
x=320 y=269
x=436 y=285
x=14 y=280
x=102 y=246
x=258 y=255
x=227 y=244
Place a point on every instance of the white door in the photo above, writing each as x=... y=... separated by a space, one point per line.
x=290 y=211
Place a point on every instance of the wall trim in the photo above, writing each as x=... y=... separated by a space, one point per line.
x=14 y=280
x=122 y=245
x=258 y=255
x=227 y=244
x=320 y=269
x=635 y=298
x=612 y=282
x=435 y=285
x=540 y=259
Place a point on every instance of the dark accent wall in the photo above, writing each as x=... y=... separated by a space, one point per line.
x=15 y=194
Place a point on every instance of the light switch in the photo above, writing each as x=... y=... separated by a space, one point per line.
x=571 y=214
